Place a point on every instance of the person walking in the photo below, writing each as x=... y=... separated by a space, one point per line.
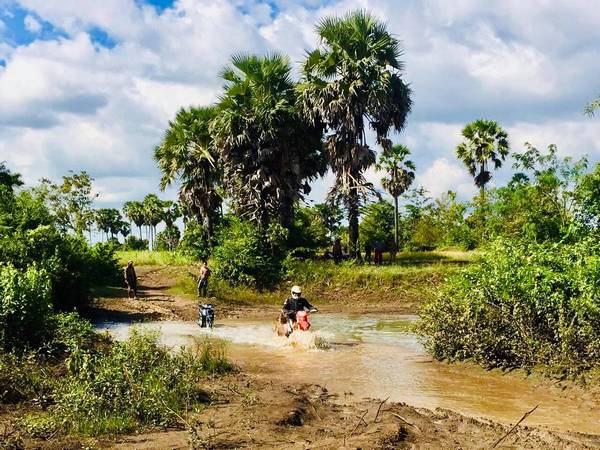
x=203 y=280
x=131 y=280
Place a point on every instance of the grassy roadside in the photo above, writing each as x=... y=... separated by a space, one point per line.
x=405 y=285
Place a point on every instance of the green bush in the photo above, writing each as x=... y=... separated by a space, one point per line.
x=25 y=305
x=248 y=255
x=134 y=243
x=524 y=305
x=72 y=265
x=23 y=377
x=194 y=242
x=131 y=384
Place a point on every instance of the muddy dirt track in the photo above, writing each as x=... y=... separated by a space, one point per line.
x=247 y=410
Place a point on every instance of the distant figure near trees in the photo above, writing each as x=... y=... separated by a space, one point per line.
x=203 y=280
x=393 y=249
x=378 y=252
x=368 y=250
x=131 y=280
x=336 y=251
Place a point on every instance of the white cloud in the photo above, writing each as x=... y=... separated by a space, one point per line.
x=444 y=175
x=31 y=24
x=72 y=104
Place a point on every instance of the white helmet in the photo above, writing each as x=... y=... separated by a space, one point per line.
x=296 y=290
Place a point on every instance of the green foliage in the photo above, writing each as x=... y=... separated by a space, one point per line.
x=131 y=384
x=71 y=201
x=72 y=265
x=524 y=305
x=249 y=255
x=587 y=196
x=377 y=223
x=309 y=232
x=24 y=378
x=134 y=243
x=485 y=142
x=269 y=152
x=154 y=258
x=25 y=307
x=168 y=239
x=194 y=242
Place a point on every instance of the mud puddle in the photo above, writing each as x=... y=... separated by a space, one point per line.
x=378 y=357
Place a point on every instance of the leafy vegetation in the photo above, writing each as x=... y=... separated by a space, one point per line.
x=524 y=305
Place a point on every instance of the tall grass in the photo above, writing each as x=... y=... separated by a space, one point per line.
x=154 y=258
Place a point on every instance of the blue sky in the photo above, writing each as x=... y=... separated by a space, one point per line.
x=88 y=85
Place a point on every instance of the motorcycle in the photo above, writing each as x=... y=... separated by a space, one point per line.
x=206 y=315
x=286 y=326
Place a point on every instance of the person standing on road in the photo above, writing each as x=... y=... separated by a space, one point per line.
x=131 y=280
x=203 y=280
x=336 y=250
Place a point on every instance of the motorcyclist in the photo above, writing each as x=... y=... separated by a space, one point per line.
x=294 y=304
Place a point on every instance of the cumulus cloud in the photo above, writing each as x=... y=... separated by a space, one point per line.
x=31 y=24
x=72 y=103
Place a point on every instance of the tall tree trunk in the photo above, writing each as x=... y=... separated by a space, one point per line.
x=353 y=218
x=396 y=222
x=140 y=229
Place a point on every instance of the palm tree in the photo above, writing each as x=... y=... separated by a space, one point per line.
x=153 y=213
x=591 y=107
x=134 y=211
x=268 y=150
x=353 y=78
x=485 y=142
x=186 y=152
x=400 y=175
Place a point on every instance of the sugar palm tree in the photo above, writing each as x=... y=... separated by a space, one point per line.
x=353 y=80
x=186 y=152
x=400 y=175
x=268 y=150
x=134 y=211
x=153 y=213
x=485 y=143
x=591 y=107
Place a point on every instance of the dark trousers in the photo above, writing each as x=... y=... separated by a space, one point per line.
x=202 y=288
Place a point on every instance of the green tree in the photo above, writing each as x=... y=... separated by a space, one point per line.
x=153 y=214
x=352 y=78
x=9 y=179
x=331 y=215
x=591 y=107
x=269 y=152
x=400 y=175
x=134 y=211
x=187 y=153
x=71 y=201
x=587 y=195
x=485 y=142
x=109 y=221
x=377 y=222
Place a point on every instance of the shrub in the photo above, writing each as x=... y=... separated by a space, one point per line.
x=194 y=242
x=22 y=377
x=523 y=305
x=247 y=255
x=72 y=265
x=134 y=243
x=132 y=383
x=25 y=306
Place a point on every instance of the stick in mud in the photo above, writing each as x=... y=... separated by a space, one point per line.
x=379 y=410
x=405 y=421
x=515 y=426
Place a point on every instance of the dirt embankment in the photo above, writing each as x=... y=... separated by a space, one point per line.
x=253 y=411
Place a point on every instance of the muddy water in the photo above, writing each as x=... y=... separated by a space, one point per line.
x=376 y=356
